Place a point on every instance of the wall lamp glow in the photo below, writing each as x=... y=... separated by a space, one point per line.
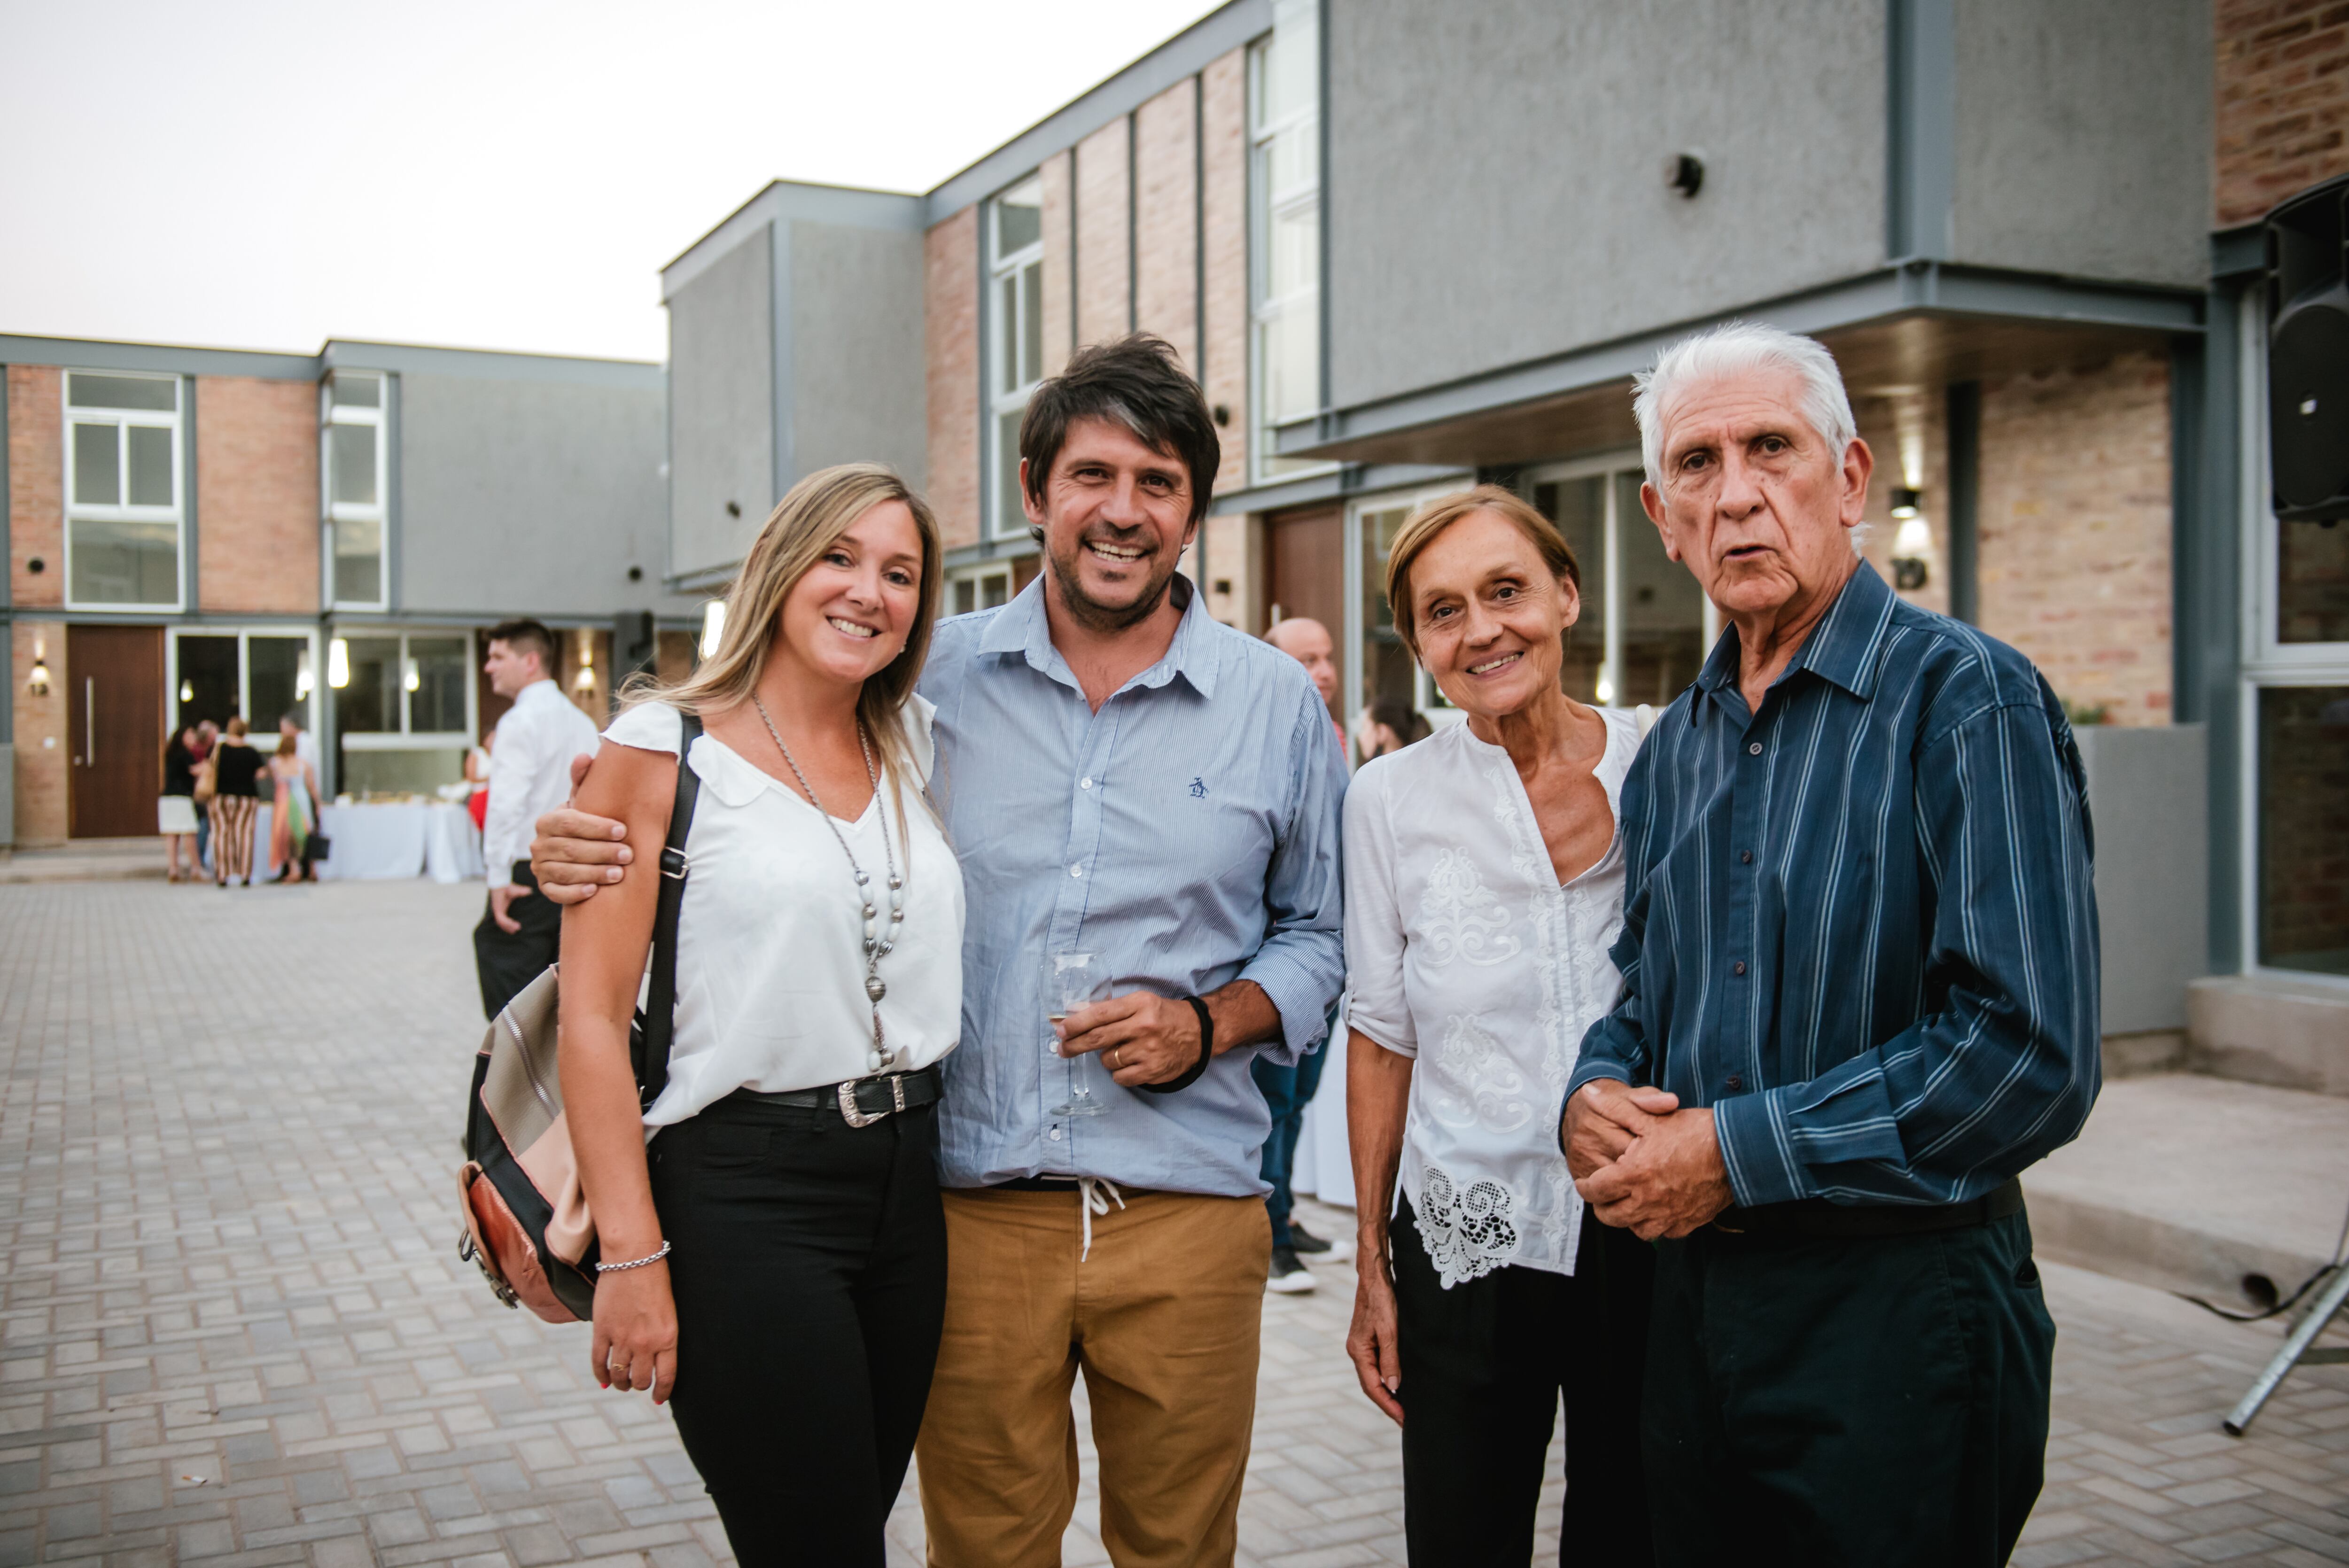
x=339 y=663
x=585 y=681
x=412 y=680
x=301 y=676
x=187 y=691
x=713 y=626
x=1905 y=503
x=37 y=683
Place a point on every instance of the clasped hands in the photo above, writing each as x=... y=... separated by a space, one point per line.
x=1641 y=1162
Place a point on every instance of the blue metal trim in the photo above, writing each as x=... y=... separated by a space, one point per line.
x=95 y=354
x=845 y=206
x=394 y=492
x=1962 y=426
x=780 y=419
x=2206 y=578
x=191 y=579
x=2239 y=251
x=486 y=364
x=8 y=605
x=1921 y=128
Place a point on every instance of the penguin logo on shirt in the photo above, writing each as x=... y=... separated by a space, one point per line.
x=1198 y=789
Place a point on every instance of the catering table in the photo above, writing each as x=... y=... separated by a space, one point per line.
x=381 y=840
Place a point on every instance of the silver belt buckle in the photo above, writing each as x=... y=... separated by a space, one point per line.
x=849 y=1112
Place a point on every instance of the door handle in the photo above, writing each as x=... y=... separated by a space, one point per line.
x=89 y=721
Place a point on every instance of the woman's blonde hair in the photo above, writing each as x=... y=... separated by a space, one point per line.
x=1419 y=532
x=236 y=727
x=804 y=524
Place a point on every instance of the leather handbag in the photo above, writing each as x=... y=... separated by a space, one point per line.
x=525 y=1213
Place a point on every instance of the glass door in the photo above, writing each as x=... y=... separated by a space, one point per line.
x=1646 y=626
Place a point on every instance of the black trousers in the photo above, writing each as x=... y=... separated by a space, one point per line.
x=1483 y=1367
x=508 y=961
x=810 y=1274
x=1860 y=1402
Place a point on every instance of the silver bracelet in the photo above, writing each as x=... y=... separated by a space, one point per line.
x=635 y=1262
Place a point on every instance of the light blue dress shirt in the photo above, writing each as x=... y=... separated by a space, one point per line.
x=1187 y=834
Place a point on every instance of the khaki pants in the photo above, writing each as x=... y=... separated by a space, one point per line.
x=1164 y=1319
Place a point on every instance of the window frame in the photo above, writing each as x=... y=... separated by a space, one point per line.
x=406 y=738
x=1003 y=339
x=307 y=635
x=977 y=578
x=76 y=511
x=1353 y=668
x=1265 y=207
x=334 y=513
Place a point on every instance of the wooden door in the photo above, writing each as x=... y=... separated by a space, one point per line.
x=114 y=688
x=1305 y=567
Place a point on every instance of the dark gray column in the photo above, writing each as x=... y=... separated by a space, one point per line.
x=1964 y=428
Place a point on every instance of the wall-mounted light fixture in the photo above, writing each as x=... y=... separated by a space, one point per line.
x=187 y=691
x=1912 y=545
x=339 y=663
x=413 y=679
x=37 y=683
x=585 y=681
x=301 y=676
x=713 y=626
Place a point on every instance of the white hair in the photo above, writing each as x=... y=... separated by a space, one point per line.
x=1734 y=348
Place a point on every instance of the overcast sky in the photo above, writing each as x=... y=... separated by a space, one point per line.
x=494 y=174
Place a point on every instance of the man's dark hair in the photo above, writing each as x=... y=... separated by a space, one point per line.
x=1136 y=382
x=526 y=636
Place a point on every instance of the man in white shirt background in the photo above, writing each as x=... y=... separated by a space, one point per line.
x=530 y=773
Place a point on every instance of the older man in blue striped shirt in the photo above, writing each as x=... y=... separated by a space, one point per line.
x=1859 y=959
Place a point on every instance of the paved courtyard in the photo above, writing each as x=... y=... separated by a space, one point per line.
x=233 y=1328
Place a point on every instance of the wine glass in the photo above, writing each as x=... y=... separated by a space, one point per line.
x=1072 y=980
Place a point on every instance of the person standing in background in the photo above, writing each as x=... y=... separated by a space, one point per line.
x=294 y=815
x=236 y=796
x=200 y=755
x=306 y=745
x=530 y=774
x=175 y=813
x=1288 y=1090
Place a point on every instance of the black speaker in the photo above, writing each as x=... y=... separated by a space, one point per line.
x=635 y=645
x=2308 y=352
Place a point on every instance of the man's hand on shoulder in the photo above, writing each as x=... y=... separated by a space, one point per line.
x=575 y=854
x=1669 y=1181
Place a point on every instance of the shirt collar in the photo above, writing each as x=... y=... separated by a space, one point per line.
x=1842 y=648
x=537 y=691
x=1021 y=628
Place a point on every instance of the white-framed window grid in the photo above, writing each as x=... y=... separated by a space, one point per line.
x=1607 y=584
x=405 y=686
x=2267 y=662
x=1371 y=523
x=1015 y=338
x=126 y=534
x=1284 y=234
x=978 y=588
x=258 y=680
x=354 y=476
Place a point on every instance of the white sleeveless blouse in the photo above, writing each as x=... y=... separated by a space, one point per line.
x=770 y=936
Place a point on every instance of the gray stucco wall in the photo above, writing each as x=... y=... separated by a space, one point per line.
x=1496 y=189
x=2147 y=792
x=2083 y=140
x=721 y=395
x=530 y=496
x=857 y=370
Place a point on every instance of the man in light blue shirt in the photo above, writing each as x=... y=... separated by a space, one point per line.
x=1120 y=776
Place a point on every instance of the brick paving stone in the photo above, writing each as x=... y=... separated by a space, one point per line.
x=233 y=1328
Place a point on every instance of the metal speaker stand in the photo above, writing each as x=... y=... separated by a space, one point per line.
x=2300 y=1349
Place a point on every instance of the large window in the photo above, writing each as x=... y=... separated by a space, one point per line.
x=1285 y=228
x=1015 y=344
x=123 y=500
x=262 y=675
x=404 y=689
x=353 y=460
x=1645 y=627
x=983 y=589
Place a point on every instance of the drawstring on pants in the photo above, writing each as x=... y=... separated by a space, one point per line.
x=1090 y=1201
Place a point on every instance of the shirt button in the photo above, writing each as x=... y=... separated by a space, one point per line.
x=1084 y=783
x=1738 y=967
x=1747 y=856
x=1056 y=1135
x=1076 y=870
x=1754 y=749
x=1733 y=1083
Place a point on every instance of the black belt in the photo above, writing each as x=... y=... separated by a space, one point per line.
x=1817 y=1217
x=860 y=1102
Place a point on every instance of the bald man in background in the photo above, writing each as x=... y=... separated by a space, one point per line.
x=1288 y=1090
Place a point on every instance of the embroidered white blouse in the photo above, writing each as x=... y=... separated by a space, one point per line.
x=770 y=951
x=1463 y=951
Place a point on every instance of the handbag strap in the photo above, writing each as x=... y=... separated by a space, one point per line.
x=660 y=997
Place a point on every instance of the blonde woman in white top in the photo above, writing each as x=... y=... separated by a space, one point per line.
x=773 y=1247
x=1483 y=887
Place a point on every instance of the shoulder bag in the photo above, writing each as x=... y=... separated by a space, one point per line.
x=525 y=1213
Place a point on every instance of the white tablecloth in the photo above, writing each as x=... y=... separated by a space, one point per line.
x=382 y=841
x=1325 y=1168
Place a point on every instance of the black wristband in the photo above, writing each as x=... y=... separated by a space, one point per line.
x=1206 y=1052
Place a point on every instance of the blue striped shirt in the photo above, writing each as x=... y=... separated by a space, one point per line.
x=1187 y=833
x=1861 y=925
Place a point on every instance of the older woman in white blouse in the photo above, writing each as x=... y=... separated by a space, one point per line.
x=1483 y=887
